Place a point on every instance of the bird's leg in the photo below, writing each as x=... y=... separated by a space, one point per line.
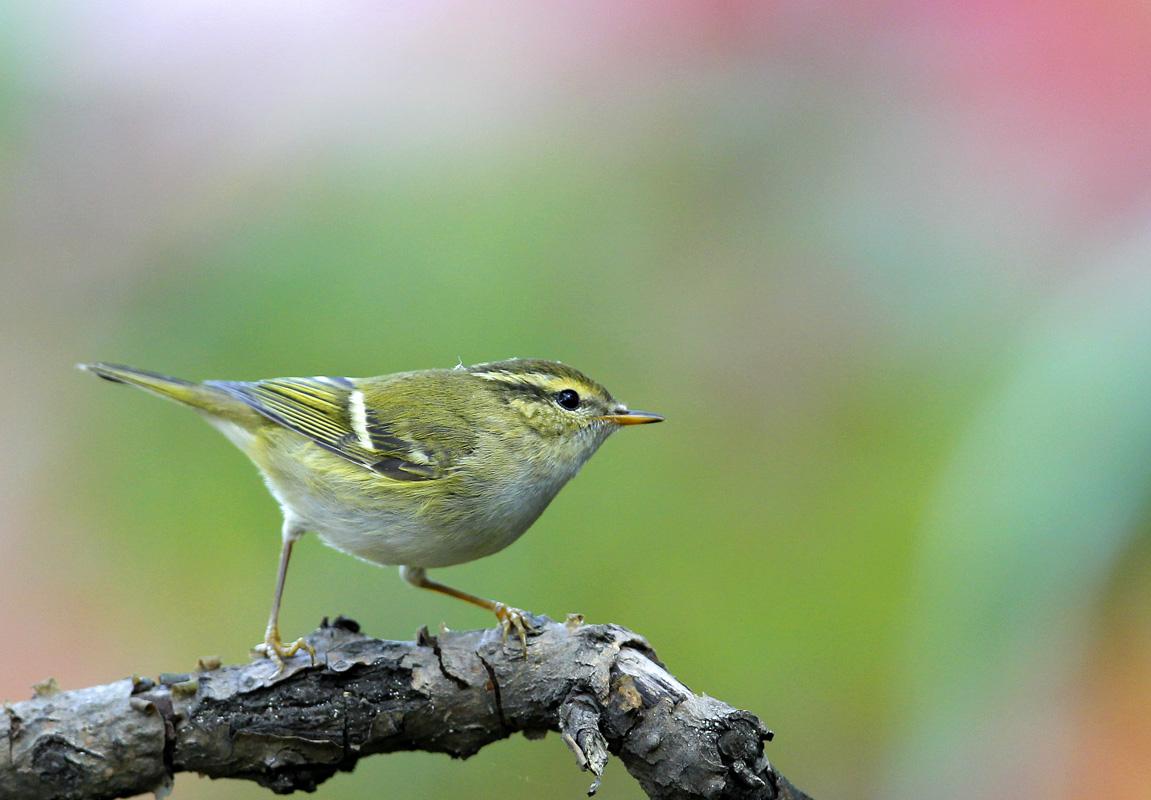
x=273 y=647
x=510 y=618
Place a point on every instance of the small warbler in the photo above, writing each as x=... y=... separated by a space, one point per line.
x=417 y=469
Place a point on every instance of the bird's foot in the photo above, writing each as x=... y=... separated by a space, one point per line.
x=514 y=619
x=274 y=648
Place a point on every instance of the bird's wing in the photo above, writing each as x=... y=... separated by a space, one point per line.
x=333 y=414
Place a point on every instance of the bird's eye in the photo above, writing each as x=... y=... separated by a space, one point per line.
x=568 y=398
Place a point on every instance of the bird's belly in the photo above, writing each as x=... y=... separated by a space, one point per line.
x=427 y=526
x=394 y=539
x=386 y=536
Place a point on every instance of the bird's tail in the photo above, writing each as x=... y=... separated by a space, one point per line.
x=197 y=395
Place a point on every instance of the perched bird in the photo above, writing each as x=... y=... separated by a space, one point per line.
x=417 y=469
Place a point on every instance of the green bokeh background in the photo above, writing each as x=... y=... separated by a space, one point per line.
x=899 y=331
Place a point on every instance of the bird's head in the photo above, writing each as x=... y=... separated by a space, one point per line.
x=559 y=402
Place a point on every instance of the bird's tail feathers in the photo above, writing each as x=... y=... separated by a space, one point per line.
x=201 y=397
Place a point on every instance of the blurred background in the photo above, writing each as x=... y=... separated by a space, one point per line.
x=885 y=267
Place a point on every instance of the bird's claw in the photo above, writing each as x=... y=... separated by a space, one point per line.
x=273 y=648
x=514 y=619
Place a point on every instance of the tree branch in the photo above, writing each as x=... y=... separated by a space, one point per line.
x=600 y=686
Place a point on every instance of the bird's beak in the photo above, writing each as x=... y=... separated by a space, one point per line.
x=626 y=417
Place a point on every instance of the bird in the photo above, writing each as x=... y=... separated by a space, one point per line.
x=419 y=469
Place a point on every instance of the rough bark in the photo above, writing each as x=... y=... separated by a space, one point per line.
x=600 y=686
